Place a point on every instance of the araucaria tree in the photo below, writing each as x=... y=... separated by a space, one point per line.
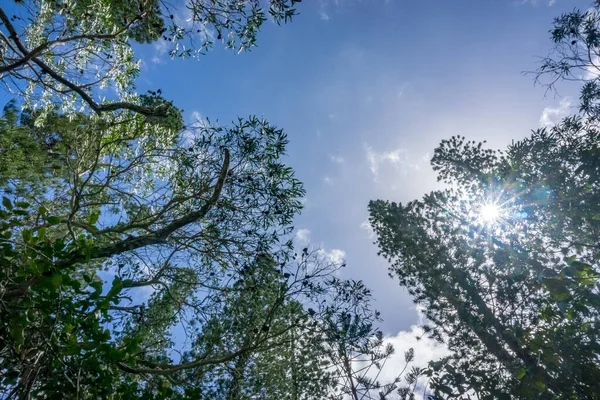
x=140 y=258
x=505 y=261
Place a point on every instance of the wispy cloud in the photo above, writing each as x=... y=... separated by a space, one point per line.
x=425 y=350
x=303 y=237
x=549 y=3
x=323 y=15
x=366 y=226
x=376 y=159
x=553 y=115
x=197 y=121
x=337 y=159
x=160 y=51
x=592 y=71
x=334 y=256
x=399 y=161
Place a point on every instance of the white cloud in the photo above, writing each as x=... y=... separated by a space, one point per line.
x=303 y=237
x=323 y=15
x=198 y=121
x=592 y=71
x=376 y=159
x=334 y=256
x=196 y=118
x=397 y=158
x=550 y=3
x=552 y=115
x=425 y=350
x=160 y=50
x=366 y=225
x=328 y=180
x=337 y=159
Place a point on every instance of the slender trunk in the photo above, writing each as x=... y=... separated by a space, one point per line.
x=235 y=390
x=349 y=375
x=294 y=368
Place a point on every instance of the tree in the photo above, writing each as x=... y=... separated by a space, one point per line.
x=291 y=367
x=142 y=258
x=169 y=213
x=505 y=261
x=359 y=354
x=575 y=56
x=64 y=51
x=141 y=261
x=515 y=299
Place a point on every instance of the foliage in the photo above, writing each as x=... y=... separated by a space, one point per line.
x=143 y=261
x=64 y=51
x=142 y=258
x=516 y=299
x=576 y=56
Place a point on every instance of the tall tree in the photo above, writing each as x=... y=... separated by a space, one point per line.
x=505 y=261
x=516 y=298
x=142 y=261
x=142 y=258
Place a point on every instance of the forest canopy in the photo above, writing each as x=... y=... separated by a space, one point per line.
x=145 y=257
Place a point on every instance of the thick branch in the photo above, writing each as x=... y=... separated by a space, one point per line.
x=39 y=49
x=162 y=234
x=98 y=108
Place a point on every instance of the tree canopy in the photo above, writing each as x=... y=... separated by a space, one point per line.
x=142 y=258
x=505 y=261
x=64 y=51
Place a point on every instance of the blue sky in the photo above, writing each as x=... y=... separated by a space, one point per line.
x=366 y=90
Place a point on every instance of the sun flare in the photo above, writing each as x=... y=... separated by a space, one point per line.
x=489 y=213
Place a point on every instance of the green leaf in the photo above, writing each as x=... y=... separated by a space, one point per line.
x=22 y=204
x=116 y=355
x=26 y=234
x=115 y=290
x=16 y=333
x=53 y=220
x=540 y=385
x=57 y=280
x=6 y=203
x=558 y=289
x=521 y=372
x=93 y=218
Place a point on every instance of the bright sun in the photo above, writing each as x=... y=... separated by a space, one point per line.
x=489 y=213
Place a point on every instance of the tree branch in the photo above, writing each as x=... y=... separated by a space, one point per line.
x=162 y=234
x=98 y=108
